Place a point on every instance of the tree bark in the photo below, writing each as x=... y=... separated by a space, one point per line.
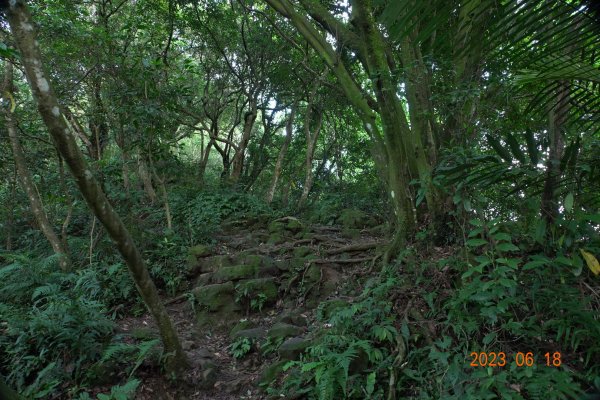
x=289 y=131
x=37 y=208
x=311 y=144
x=146 y=179
x=238 y=158
x=22 y=28
x=556 y=121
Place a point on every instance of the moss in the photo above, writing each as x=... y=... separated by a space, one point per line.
x=200 y=250
x=254 y=287
x=283 y=330
x=215 y=297
x=301 y=251
x=235 y=273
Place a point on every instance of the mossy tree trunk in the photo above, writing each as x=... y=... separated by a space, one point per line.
x=37 y=207
x=289 y=131
x=23 y=29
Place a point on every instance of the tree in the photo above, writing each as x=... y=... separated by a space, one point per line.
x=37 y=207
x=23 y=31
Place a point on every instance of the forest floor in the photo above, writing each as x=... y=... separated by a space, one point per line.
x=342 y=258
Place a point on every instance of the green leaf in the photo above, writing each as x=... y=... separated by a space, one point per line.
x=371 y=378
x=476 y=242
x=569 y=202
x=507 y=247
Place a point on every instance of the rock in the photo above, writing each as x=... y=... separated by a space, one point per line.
x=351 y=218
x=302 y=251
x=243 y=324
x=283 y=265
x=252 y=333
x=204 y=279
x=209 y=373
x=283 y=330
x=252 y=288
x=276 y=227
x=292 y=348
x=294 y=318
x=235 y=273
x=293 y=225
x=269 y=374
x=200 y=250
x=217 y=297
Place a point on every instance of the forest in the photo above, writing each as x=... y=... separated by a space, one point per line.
x=299 y=199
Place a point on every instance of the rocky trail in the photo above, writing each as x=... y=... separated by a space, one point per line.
x=256 y=293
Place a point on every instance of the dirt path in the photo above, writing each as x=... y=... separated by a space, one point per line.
x=316 y=263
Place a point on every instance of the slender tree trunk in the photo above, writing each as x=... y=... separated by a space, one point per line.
x=311 y=144
x=289 y=130
x=556 y=120
x=10 y=219
x=146 y=179
x=204 y=160
x=165 y=195
x=37 y=208
x=23 y=29
x=238 y=158
x=124 y=158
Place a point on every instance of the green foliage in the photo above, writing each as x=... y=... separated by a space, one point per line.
x=353 y=352
x=240 y=347
x=203 y=214
x=55 y=324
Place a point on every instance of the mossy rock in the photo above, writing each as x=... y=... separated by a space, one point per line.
x=282 y=330
x=293 y=318
x=235 y=273
x=276 y=227
x=269 y=374
x=240 y=326
x=294 y=225
x=352 y=218
x=292 y=348
x=254 y=287
x=200 y=250
x=216 y=297
x=204 y=279
x=211 y=264
x=254 y=260
x=301 y=251
x=252 y=333
x=283 y=265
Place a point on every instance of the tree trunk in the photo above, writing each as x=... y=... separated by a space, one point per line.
x=10 y=219
x=165 y=196
x=311 y=144
x=556 y=120
x=146 y=179
x=289 y=130
x=391 y=151
x=204 y=160
x=37 y=208
x=22 y=28
x=238 y=158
